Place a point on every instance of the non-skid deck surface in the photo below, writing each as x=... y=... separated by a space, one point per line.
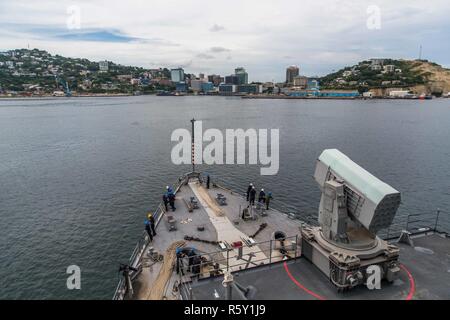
x=217 y=227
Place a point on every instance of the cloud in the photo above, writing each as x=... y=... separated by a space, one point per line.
x=97 y=36
x=205 y=56
x=263 y=36
x=219 y=49
x=216 y=28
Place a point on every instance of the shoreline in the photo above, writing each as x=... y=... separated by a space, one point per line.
x=50 y=97
x=268 y=97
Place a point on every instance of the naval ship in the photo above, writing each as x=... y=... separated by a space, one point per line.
x=218 y=246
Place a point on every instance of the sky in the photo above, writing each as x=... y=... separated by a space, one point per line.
x=215 y=37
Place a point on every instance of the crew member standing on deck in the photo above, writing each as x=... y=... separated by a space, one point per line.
x=252 y=196
x=148 y=229
x=172 y=201
x=262 y=196
x=207 y=181
x=250 y=186
x=151 y=219
x=268 y=198
x=166 y=201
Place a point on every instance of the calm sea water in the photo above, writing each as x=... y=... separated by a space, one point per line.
x=77 y=175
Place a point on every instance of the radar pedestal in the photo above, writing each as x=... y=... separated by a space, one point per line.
x=354 y=206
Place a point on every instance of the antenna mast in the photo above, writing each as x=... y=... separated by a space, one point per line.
x=193 y=146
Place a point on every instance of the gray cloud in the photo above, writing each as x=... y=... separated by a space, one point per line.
x=262 y=36
x=219 y=49
x=205 y=56
x=216 y=28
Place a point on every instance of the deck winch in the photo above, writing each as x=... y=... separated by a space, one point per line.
x=354 y=206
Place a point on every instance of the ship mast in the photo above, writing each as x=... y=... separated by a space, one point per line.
x=193 y=146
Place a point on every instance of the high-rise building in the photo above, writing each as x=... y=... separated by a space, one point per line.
x=242 y=75
x=177 y=75
x=291 y=72
x=215 y=79
x=233 y=79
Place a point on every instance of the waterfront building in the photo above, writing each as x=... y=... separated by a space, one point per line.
x=215 y=79
x=291 y=72
x=338 y=94
x=400 y=94
x=181 y=86
x=207 y=87
x=196 y=85
x=103 y=66
x=313 y=84
x=250 y=88
x=177 y=75
x=301 y=81
x=323 y=94
x=242 y=75
x=227 y=89
x=232 y=79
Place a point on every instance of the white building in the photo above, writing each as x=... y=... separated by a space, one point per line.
x=376 y=67
x=177 y=75
x=347 y=73
x=103 y=66
x=389 y=68
x=400 y=93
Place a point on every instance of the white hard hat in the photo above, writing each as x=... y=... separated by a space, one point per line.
x=262 y=189
x=167 y=187
x=251 y=184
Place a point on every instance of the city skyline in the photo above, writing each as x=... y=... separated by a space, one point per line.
x=264 y=37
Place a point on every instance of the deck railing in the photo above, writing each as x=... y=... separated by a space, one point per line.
x=143 y=241
x=437 y=221
x=235 y=260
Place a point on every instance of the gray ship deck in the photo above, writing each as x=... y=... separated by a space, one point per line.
x=425 y=268
x=425 y=275
x=228 y=228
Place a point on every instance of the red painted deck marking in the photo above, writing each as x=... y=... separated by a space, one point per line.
x=315 y=295
x=412 y=285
